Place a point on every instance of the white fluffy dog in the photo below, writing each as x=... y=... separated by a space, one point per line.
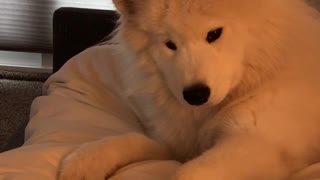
x=229 y=87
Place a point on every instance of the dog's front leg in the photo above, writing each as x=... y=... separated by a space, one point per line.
x=239 y=158
x=99 y=159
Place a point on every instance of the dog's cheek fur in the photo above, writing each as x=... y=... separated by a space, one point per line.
x=168 y=67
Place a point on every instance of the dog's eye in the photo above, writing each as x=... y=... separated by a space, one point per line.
x=171 y=45
x=214 y=35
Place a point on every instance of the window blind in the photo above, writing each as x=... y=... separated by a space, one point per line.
x=26 y=25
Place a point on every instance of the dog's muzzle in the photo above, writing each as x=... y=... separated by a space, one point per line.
x=197 y=94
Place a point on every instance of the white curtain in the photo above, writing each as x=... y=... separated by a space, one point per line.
x=27 y=24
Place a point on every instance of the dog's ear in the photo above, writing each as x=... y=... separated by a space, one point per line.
x=127 y=7
x=137 y=12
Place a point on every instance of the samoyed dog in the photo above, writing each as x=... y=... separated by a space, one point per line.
x=230 y=88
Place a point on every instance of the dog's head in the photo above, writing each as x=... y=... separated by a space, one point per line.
x=199 y=46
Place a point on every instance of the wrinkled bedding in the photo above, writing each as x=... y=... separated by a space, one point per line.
x=82 y=103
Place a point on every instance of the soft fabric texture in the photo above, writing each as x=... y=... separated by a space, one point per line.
x=82 y=103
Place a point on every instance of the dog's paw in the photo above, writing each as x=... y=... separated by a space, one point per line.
x=100 y=159
x=82 y=164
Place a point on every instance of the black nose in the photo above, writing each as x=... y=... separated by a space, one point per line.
x=197 y=94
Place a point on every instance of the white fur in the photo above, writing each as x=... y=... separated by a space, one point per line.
x=262 y=118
